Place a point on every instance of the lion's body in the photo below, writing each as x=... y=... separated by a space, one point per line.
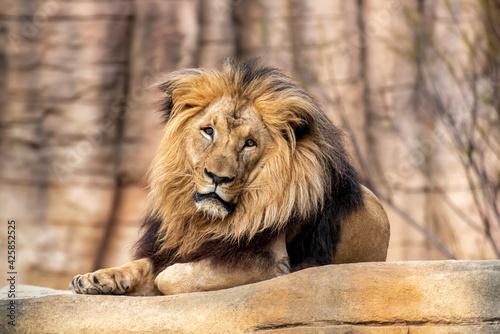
x=251 y=181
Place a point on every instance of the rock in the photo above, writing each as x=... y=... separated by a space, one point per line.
x=28 y=291
x=441 y=296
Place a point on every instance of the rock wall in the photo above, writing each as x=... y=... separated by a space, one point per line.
x=78 y=128
x=417 y=297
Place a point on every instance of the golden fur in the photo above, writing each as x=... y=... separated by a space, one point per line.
x=291 y=182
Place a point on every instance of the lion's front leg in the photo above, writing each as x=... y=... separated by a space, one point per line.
x=204 y=275
x=133 y=278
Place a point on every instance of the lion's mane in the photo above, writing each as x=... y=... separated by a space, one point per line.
x=307 y=185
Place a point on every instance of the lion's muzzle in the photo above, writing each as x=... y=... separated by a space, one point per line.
x=212 y=199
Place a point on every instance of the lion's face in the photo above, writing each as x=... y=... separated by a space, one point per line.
x=245 y=151
x=225 y=144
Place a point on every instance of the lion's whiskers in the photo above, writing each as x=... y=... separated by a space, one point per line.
x=179 y=174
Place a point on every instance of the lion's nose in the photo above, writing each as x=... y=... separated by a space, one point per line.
x=218 y=179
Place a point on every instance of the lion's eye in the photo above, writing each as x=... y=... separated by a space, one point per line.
x=209 y=131
x=250 y=143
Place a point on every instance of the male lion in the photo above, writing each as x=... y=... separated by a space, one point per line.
x=251 y=181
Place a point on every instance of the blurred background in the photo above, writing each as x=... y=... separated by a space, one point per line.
x=413 y=83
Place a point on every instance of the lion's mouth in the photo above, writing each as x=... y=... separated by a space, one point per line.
x=198 y=198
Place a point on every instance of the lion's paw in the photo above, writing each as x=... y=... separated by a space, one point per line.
x=105 y=281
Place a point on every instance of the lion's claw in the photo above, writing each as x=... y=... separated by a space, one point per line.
x=106 y=289
x=104 y=281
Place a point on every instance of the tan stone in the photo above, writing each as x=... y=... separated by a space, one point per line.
x=420 y=297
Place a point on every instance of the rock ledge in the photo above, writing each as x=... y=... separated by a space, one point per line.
x=441 y=297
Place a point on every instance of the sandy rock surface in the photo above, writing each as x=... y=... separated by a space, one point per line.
x=441 y=297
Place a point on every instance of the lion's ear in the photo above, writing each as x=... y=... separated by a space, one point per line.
x=301 y=130
x=167 y=87
x=297 y=129
x=174 y=86
x=302 y=125
x=296 y=132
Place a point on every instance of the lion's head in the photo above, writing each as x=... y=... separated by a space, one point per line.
x=226 y=146
x=245 y=150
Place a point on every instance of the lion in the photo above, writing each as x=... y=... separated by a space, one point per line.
x=251 y=181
